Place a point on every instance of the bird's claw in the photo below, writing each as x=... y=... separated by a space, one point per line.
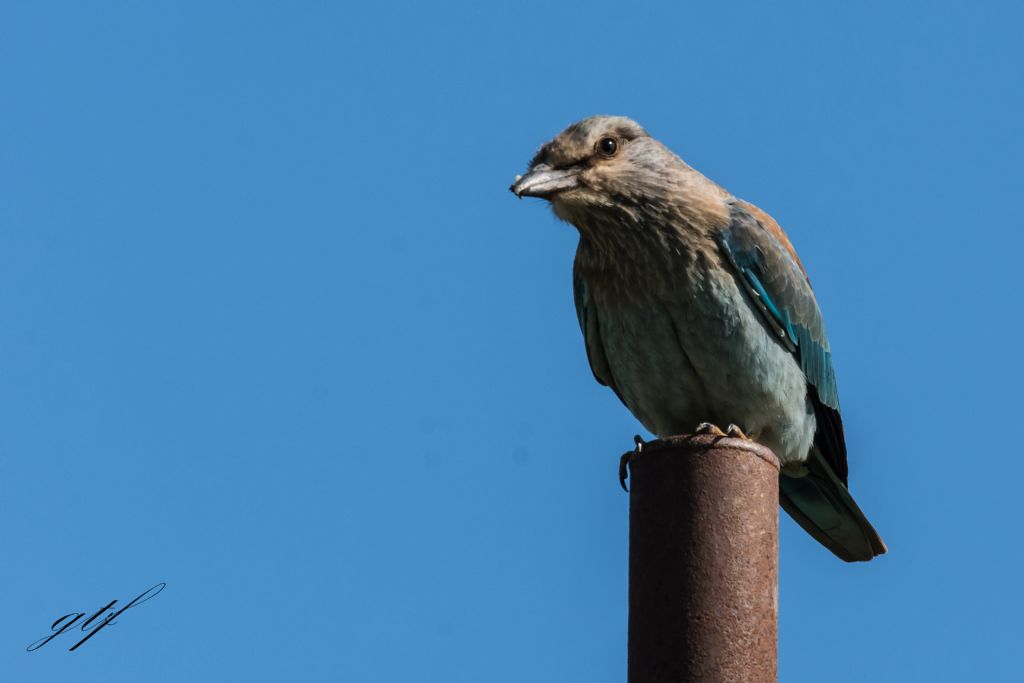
x=708 y=428
x=735 y=432
x=626 y=458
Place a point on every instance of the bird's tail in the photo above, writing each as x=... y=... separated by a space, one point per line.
x=825 y=509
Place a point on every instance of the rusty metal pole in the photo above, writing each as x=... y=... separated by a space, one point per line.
x=703 y=561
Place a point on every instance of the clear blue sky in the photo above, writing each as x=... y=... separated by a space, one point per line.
x=273 y=331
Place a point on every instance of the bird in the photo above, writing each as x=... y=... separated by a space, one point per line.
x=696 y=311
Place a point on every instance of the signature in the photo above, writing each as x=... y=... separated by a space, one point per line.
x=69 y=620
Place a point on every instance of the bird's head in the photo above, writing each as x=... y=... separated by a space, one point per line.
x=595 y=165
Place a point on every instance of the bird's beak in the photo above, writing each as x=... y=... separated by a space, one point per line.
x=544 y=181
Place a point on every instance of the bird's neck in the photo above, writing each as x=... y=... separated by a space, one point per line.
x=668 y=231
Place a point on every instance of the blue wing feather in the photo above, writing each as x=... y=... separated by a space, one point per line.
x=586 y=314
x=781 y=291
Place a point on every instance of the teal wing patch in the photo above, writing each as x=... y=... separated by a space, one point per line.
x=586 y=314
x=780 y=290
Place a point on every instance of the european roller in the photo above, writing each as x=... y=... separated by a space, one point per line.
x=697 y=312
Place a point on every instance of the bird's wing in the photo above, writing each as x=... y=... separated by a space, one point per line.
x=586 y=313
x=770 y=271
x=772 y=274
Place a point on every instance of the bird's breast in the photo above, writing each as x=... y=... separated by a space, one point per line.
x=684 y=346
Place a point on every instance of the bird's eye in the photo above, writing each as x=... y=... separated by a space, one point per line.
x=608 y=146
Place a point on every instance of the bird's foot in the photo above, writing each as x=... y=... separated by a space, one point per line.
x=710 y=429
x=626 y=458
x=736 y=433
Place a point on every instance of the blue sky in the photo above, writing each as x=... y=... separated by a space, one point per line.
x=273 y=331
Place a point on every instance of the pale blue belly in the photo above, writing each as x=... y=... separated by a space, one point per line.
x=707 y=358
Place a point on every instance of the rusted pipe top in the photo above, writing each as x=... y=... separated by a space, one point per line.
x=694 y=443
x=708 y=442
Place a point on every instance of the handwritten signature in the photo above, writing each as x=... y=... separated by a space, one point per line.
x=69 y=620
